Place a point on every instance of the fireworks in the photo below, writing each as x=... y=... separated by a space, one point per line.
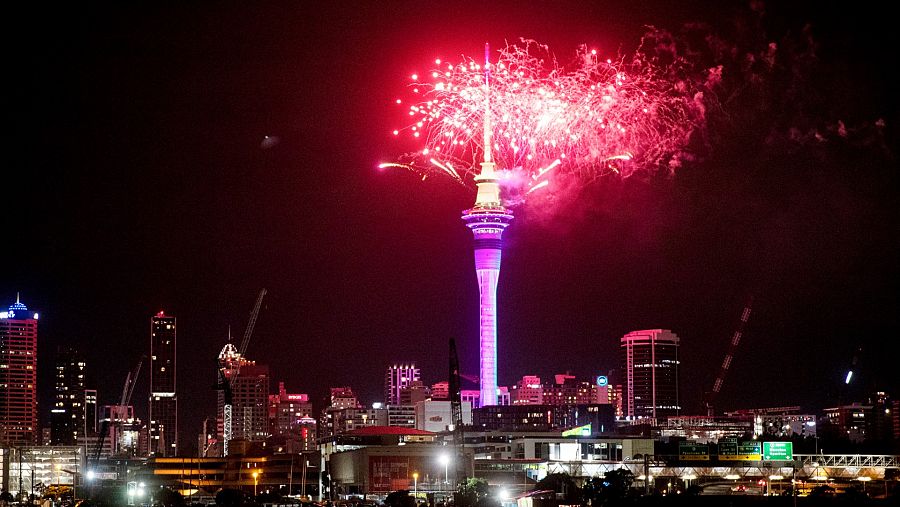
x=586 y=119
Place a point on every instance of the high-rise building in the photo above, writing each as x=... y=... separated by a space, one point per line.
x=291 y=418
x=440 y=390
x=651 y=363
x=568 y=390
x=163 y=399
x=416 y=392
x=343 y=397
x=18 y=375
x=487 y=219
x=396 y=379
x=67 y=425
x=528 y=391
x=90 y=411
x=249 y=384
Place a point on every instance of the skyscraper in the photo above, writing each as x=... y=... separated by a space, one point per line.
x=90 y=411
x=18 y=375
x=67 y=426
x=249 y=384
x=163 y=400
x=651 y=372
x=396 y=379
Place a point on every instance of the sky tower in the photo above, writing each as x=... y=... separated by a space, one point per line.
x=487 y=219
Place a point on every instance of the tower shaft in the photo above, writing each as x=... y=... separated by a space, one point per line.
x=487 y=223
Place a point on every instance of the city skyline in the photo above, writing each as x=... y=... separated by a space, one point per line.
x=149 y=183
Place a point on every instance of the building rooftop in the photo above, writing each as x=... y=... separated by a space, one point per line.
x=386 y=430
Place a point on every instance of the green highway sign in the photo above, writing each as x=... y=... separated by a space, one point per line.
x=778 y=451
x=688 y=451
x=744 y=451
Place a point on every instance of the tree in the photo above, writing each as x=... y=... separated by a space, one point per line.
x=229 y=498
x=475 y=493
x=614 y=486
x=400 y=498
x=563 y=485
x=170 y=498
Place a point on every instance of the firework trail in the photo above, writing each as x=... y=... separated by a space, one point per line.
x=586 y=119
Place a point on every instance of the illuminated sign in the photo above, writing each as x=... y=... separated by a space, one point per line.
x=688 y=451
x=602 y=381
x=580 y=431
x=778 y=451
x=744 y=451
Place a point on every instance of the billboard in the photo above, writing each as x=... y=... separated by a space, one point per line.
x=778 y=451
x=578 y=431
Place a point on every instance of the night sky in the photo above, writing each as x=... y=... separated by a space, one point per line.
x=135 y=179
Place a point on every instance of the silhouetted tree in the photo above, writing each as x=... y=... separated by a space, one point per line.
x=229 y=498
x=562 y=484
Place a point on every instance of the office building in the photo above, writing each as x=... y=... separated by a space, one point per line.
x=397 y=378
x=651 y=363
x=67 y=425
x=163 y=399
x=90 y=411
x=18 y=375
x=527 y=391
x=249 y=384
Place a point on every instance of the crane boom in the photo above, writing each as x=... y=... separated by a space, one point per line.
x=729 y=357
x=251 y=323
x=127 y=390
x=137 y=371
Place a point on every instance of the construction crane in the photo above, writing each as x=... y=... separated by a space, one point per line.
x=125 y=400
x=224 y=383
x=251 y=323
x=456 y=413
x=729 y=356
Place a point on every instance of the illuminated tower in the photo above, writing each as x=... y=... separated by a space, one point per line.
x=18 y=375
x=487 y=219
x=163 y=401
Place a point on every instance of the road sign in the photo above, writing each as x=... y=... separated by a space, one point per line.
x=688 y=451
x=744 y=451
x=778 y=451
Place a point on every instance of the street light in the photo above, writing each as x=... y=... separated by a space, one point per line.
x=58 y=467
x=864 y=479
x=776 y=477
x=445 y=460
x=255 y=482
x=416 y=485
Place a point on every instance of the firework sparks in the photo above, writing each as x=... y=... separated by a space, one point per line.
x=589 y=119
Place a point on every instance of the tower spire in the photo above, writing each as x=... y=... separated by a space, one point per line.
x=487 y=219
x=488 y=189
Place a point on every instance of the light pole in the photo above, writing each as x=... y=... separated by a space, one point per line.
x=445 y=460
x=255 y=483
x=416 y=485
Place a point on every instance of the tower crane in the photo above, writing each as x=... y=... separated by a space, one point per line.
x=729 y=356
x=456 y=413
x=224 y=383
x=125 y=400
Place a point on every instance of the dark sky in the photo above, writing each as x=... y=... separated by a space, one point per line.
x=134 y=181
